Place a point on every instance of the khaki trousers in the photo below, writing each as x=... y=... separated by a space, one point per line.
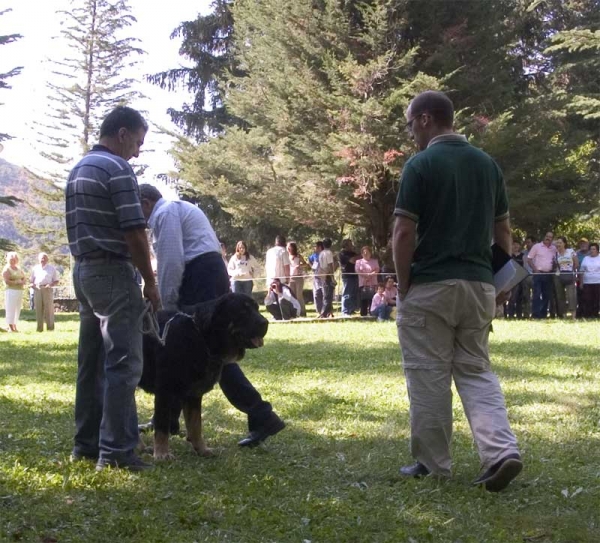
x=43 y=300
x=443 y=329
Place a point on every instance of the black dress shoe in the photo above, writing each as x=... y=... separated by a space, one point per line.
x=501 y=473
x=415 y=470
x=256 y=437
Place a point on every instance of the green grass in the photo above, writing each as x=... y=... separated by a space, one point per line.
x=332 y=474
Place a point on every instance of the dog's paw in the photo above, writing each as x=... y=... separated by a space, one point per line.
x=163 y=455
x=205 y=452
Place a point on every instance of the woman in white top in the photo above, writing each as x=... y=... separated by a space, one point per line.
x=564 y=280
x=241 y=268
x=590 y=267
x=14 y=279
x=298 y=268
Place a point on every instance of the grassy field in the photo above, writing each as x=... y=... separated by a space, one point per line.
x=332 y=474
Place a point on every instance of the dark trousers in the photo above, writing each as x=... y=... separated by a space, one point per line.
x=327 y=296
x=514 y=307
x=542 y=293
x=205 y=278
x=282 y=310
x=591 y=301
x=350 y=301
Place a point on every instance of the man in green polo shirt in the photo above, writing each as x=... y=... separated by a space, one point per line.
x=451 y=204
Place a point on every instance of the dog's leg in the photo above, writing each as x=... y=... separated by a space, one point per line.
x=192 y=412
x=161 y=426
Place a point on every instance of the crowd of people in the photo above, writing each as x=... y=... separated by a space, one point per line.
x=42 y=280
x=563 y=282
x=366 y=289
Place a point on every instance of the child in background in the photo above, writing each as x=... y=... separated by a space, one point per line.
x=379 y=305
x=391 y=292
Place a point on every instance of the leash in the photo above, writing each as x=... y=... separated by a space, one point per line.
x=148 y=322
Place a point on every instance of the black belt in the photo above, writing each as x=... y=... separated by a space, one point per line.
x=104 y=256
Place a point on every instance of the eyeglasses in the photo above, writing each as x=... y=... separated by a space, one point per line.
x=408 y=125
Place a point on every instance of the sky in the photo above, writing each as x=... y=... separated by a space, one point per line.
x=25 y=102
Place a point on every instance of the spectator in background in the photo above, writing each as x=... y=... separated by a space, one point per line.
x=326 y=270
x=564 y=282
x=242 y=268
x=298 y=267
x=590 y=268
x=583 y=246
x=367 y=269
x=527 y=283
x=514 y=306
x=583 y=249
x=43 y=278
x=379 y=305
x=317 y=282
x=541 y=259
x=14 y=279
x=281 y=302
x=348 y=257
x=391 y=291
x=277 y=262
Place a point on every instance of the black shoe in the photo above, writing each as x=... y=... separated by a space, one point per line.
x=415 y=470
x=135 y=463
x=501 y=473
x=256 y=437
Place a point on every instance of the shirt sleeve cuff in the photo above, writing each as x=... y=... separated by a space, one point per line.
x=404 y=213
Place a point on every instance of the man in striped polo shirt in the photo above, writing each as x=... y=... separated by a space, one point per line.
x=107 y=236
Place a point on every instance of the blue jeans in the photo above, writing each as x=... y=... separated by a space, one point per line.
x=542 y=292
x=382 y=312
x=349 y=294
x=109 y=358
x=242 y=287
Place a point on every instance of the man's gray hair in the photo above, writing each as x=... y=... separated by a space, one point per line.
x=149 y=192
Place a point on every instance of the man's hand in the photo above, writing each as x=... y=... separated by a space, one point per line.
x=502 y=298
x=151 y=292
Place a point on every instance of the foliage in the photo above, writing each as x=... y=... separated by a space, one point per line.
x=84 y=88
x=332 y=474
x=11 y=201
x=322 y=94
x=315 y=97
x=206 y=42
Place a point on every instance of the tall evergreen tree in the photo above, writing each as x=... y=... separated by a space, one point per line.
x=207 y=43
x=323 y=91
x=85 y=86
x=7 y=200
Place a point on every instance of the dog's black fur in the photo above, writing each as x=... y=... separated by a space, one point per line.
x=189 y=364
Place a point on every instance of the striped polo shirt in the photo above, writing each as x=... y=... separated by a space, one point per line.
x=102 y=201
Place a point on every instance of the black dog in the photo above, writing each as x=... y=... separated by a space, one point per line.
x=189 y=364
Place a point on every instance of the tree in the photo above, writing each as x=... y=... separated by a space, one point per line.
x=322 y=96
x=207 y=42
x=85 y=87
x=11 y=201
x=321 y=86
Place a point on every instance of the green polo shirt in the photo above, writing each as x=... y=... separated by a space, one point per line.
x=455 y=193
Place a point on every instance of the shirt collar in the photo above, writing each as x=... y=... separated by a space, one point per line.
x=447 y=138
x=155 y=209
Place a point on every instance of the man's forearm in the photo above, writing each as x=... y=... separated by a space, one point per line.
x=137 y=243
x=404 y=249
